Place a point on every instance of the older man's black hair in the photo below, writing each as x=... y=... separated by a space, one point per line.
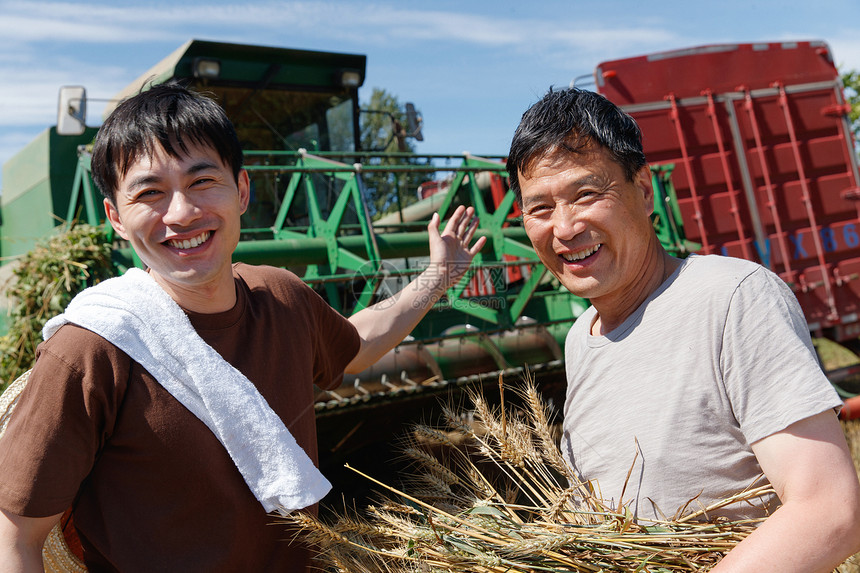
x=570 y=120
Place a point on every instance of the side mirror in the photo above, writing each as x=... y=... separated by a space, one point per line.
x=72 y=110
x=413 y=123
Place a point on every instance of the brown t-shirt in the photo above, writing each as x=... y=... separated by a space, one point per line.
x=155 y=488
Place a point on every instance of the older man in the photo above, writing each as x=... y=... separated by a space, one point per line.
x=695 y=375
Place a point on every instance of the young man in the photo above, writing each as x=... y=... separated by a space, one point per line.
x=152 y=487
x=710 y=355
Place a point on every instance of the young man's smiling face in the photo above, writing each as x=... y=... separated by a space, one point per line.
x=589 y=225
x=181 y=215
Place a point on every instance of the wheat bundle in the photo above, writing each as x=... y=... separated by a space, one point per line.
x=42 y=283
x=493 y=493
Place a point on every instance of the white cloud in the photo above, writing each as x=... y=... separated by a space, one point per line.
x=72 y=22
x=34 y=29
x=365 y=24
x=846 y=50
x=32 y=98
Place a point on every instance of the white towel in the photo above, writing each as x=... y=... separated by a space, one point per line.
x=139 y=317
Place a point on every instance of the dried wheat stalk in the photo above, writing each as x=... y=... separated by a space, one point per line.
x=500 y=498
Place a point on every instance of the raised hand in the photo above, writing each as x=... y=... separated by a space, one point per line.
x=450 y=253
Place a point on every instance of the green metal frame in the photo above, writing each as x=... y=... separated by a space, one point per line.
x=338 y=257
x=502 y=311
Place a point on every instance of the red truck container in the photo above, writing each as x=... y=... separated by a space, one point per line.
x=764 y=162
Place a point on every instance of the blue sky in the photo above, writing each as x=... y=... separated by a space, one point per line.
x=471 y=68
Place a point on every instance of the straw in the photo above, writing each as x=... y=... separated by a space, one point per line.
x=496 y=496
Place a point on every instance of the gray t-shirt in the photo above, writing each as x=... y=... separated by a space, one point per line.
x=717 y=358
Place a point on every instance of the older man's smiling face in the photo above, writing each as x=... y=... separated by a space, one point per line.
x=589 y=225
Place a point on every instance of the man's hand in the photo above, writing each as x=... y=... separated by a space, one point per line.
x=382 y=327
x=450 y=254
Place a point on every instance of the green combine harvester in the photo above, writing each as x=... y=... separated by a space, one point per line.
x=297 y=115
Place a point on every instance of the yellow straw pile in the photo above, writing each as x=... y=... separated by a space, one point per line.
x=492 y=493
